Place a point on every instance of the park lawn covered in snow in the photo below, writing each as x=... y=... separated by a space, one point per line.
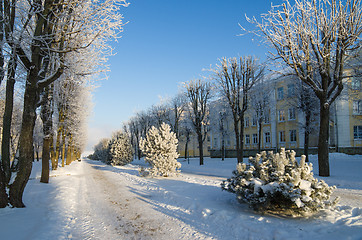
x=91 y=200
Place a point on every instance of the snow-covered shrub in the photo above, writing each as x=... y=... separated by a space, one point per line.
x=120 y=150
x=160 y=150
x=278 y=184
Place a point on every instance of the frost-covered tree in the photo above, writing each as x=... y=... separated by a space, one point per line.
x=178 y=105
x=278 y=184
x=260 y=102
x=220 y=119
x=120 y=150
x=135 y=133
x=199 y=93
x=38 y=136
x=235 y=78
x=101 y=150
x=160 y=150
x=316 y=38
x=39 y=36
x=186 y=133
x=159 y=114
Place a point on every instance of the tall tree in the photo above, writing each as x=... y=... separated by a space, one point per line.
x=178 y=104
x=220 y=116
x=260 y=102
x=235 y=79
x=47 y=31
x=315 y=38
x=198 y=93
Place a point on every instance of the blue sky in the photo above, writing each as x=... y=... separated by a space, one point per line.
x=165 y=43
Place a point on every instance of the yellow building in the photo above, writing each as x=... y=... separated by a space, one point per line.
x=281 y=122
x=347 y=117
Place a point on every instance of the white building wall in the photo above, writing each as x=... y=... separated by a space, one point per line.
x=301 y=122
x=343 y=126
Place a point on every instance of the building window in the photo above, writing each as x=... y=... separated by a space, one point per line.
x=255 y=138
x=267 y=117
x=208 y=138
x=356 y=83
x=247 y=139
x=281 y=116
x=357 y=107
x=280 y=93
x=293 y=135
x=282 y=136
x=215 y=142
x=291 y=113
x=291 y=90
x=357 y=132
x=254 y=121
x=267 y=137
x=246 y=122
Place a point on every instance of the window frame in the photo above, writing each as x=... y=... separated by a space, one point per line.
x=279 y=115
x=246 y=122
x=247 y=139
x=357 y=132
x=255 y=138
x=267 y=137
x=293 y=135
x=292 y=114
x=282 y=137
x=280 y=93
x=357 y=107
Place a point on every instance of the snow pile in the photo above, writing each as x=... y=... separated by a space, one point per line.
x=278 y=184
x=160 y=149
x=120 y=150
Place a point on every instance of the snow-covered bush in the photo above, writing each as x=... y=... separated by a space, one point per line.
x=278 y=184
x=160 y=150
x=120 y=150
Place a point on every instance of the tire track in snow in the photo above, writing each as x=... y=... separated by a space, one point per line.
x=126 y=213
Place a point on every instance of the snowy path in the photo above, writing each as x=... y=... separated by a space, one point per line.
x=105 y=208
x=91 y=200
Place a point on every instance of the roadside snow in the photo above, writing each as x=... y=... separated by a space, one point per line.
x=90 y=200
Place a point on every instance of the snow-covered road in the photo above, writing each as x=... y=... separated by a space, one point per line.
x=91 y=200
x=100 y=204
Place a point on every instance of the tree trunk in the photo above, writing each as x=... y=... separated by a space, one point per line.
x=69 y=152
x=259 y=135
x=201 y=149
x=4 y=199
x=323 y=151
x=8 y=113
x=241 y=137
x=57 y=147
x=45 y=160
x=223 y=149
x=186 y=146
x=239 y=155
x=46 y=116
x=306 y=135
x=63 y=149
x=52 y=153
x=26 y=150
